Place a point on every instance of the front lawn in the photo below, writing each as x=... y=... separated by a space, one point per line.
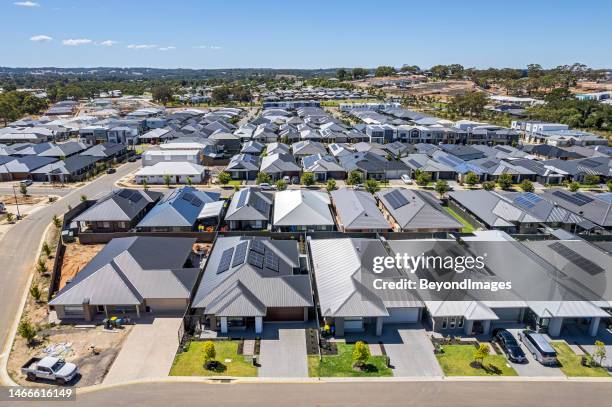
x=191 y=363
x=457 y=361
x=467 y=228
x=571 y=363
x=235 y=182
x=341 y=365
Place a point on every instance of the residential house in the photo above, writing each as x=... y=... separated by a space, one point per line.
x=323 y=167
x=152 y=157
x=302 y=210
x=131 y=275
x=119 y=211
x=243 y=166
x=174 y=172
x=304 y=148
x=21 y=168
x=252 y=147
x=280 y=165
x=250 y=208
x=592 y=207
x=249 y=281
x=356 y=211
x=411 y=210
x=106 y=151
x=373 y=166
x=72 y=169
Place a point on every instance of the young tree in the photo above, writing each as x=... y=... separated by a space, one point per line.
x=600 y=351
x=441 y=187
x=83 y=198
x=224 y=178
x=372 y=186
x=361 y=354
x=262 y=178
x=23 y=188
x=307 y=179
x=354 y=178
x=10 y=217
x=527 y=186
x=573 y=186
x=209 y=352
x=331 y=185
x=57 y=222
x=481 y=353
x=46 y=250
x=471 y=179
x=145 y=185
x=41 y=266
x=281 y=185
x=488 y=185
x=591 y=179
x=27 y=331
x=422 y=178
x=35 y=293
x=504 y=181
x=189 y=181
x=167 y=180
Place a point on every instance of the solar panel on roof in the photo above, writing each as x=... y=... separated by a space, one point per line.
x=576 y=259
x=242 y=196
x=522 y=201
x=226 y=259
x=188 y=196
x=590 y=163
x=271 y=260
x=240 y=255
x=396 y=199
x=258 y=246
x=135 y=197
x=256 y=259
x=260 y=205
x=125 y=193
x=577 y=199
x=196 y=201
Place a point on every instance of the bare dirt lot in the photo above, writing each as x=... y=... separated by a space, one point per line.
x=22 y=199
x=75 y=258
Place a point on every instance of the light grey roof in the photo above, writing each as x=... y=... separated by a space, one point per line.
x=584 y=204
x=250 y=204
x=418 y=210
x=279 y=163
x=246 y=162
x=179 y=208
x=357 y=210
x=246 y=287
x=339 y=266
x=131 y=269
x=302 y=207
x=120 y=205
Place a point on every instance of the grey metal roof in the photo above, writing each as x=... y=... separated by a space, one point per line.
x=26 y=164
x=243 y=288
x=119 y=205
x=250 y=204
x=180 y=207
x=357 y=210
x=598 y=211
x=68 y=166
x=420 y=211
x=339 y=266
x=279 y=163
x=131 y=269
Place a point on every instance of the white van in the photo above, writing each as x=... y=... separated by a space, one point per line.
x=539 y=347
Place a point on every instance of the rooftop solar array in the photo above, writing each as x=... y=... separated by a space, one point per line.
x=271 y=260
x=396 y=199
x=226 y=259
x=242 y=197
x=576 y=258
x=258 y=246
x=590 y=163
x=577 y=199
x=240 y=255
x=256 y=259
x=527 y=200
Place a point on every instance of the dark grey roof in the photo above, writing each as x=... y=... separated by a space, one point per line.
x=120 y=205
x=104 y=150
x=70 y=165
x=26 y=164
x=250 y=204
x=180 y=208
x=131 y=269
x=584 y=204
x=357 y=210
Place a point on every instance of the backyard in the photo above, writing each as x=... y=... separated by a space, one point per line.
x=467 y=228
x=457 y=360
x=571 y=363
x=191 y=362
x=341 y=365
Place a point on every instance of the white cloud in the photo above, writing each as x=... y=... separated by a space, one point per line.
x=201 y=46
x=107 y=43
x=76 y=42
x=40 y=38
x=166 y=48
x=214 y=47
x=26 y=4
x=141 y=46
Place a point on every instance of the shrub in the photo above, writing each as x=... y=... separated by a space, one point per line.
x=281 y=185
x=262 y=178
x=573 y=186
x=224 y=178
x=361 y=354
x=372 y=186
x=308 y=179
x=488 y=185
x=27 y=331
x=441 y=187
x=527 y=186
x=504 y=181
x=35 y=293
x=331 y=185
x=354 y=178
x=471 y=179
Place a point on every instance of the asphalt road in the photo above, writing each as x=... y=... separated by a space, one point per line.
x=19 y=246
x=371 y=394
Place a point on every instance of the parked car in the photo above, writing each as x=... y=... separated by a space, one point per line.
x=49 y=368
x=539 y=347
x=406 y=179
x=111 y=171
x=132 y=159
x=265 y=186
x=2 y=207
x=295 y=180
x=509 y=345
x=26 y=182
x=287 y=179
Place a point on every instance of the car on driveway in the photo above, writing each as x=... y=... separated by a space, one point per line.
x=406 y=179
x=539 y=347
x=26 y=182
x=265 y=186
x=509 y=345
x=111 y=171
x=49 y=368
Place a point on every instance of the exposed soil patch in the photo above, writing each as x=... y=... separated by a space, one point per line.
x=75 y=258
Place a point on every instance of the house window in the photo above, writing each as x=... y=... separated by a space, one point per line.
x=460 y=322
x=452 y=323
x=444 y=322
x=106 y=225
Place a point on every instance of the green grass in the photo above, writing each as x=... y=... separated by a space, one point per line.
x=191 y=363
x=571 y=363
x=456 y=361
x=341 y=365
x=467 y=228
x=235 y=182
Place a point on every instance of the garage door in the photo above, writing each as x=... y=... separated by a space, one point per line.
x=285 y=314
x=507 y=314
x=172 y=305
x=402 y=315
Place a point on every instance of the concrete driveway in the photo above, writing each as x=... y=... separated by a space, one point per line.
x=282 y=351
x=147 y=352
x=533 y=368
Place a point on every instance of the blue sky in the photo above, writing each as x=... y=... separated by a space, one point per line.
x=304 y=34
